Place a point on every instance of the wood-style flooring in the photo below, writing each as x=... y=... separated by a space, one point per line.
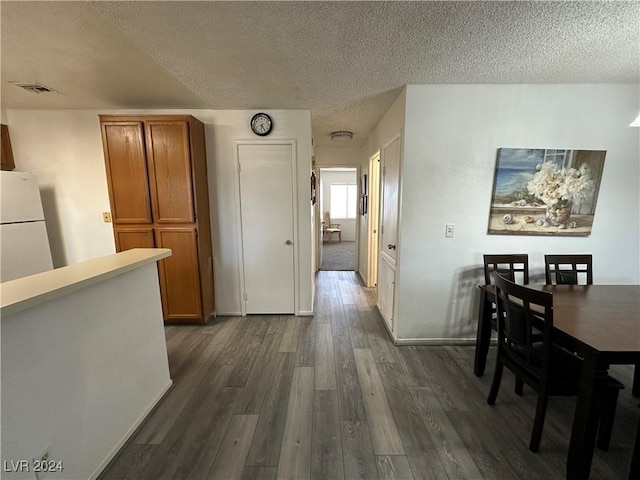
x=331 y=397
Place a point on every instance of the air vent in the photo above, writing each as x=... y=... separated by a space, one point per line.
x=35 y=87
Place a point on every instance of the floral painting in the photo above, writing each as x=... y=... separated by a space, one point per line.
x=545 y=191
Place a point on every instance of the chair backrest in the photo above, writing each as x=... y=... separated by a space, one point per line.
x=522 y=314
x=568 y=269
x=513 y=266
x=326 y=220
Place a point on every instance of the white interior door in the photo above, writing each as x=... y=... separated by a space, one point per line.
x=387 y=266
x=267 y=211
x=390 y=186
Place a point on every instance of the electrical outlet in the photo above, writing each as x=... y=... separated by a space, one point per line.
x=40 y=463
x=106 y=216
x=450 y=229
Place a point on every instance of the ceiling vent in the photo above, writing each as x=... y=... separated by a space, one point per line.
x=35 y=87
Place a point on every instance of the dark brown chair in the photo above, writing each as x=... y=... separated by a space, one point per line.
x=545 y=367
x=513 y=266
x=516 y=268
x=568 y=269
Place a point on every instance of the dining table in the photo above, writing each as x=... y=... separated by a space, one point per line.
x=601 y=324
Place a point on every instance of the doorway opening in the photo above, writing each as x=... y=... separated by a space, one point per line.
x=339 y=218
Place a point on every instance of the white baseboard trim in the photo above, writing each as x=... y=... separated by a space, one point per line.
x=306 y=313
x=435 y=341
x=131 y=431
x=229 y=314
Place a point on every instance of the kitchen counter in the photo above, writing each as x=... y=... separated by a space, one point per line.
x=26 y=292
x=84 y=361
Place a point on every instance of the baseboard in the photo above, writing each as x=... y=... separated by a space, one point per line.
x=306 y=313
x=435 y=341
x=229 y=314
x=131 y=431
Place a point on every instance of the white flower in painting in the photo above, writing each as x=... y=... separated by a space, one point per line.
x=557 y=187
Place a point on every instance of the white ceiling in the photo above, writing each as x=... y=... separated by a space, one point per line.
x=344 y=61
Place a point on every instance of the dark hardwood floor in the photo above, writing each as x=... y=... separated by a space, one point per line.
x=331 y=397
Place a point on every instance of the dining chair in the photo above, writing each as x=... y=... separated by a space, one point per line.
x=514 y=266
x=547 y=368
x=331 y=228
x=568 y=269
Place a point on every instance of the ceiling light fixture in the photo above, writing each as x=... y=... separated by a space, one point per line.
x=636 y=122
x=341 y=135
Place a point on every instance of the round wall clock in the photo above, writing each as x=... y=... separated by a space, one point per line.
x=261 y=124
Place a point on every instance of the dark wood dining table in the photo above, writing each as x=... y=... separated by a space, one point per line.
x=601 y=323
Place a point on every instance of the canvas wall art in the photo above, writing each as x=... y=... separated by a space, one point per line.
x=545 y=191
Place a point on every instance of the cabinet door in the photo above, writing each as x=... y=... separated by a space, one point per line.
x=6 y=161
x=179 y=274
x=133 y=237
x=170 y=166
x=127 y=174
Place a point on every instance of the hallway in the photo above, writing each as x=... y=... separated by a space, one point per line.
x=330 y=397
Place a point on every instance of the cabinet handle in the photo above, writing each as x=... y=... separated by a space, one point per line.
x=391 y=246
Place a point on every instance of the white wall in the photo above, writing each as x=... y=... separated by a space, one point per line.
x=64 y=148
x=327 y=177
x=81 y=372
x=452 y=136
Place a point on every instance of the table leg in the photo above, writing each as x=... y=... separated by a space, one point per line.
x=585 y=421
x=483 y=337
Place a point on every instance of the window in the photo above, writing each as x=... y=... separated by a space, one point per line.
x=344 y=199
x=558 y=157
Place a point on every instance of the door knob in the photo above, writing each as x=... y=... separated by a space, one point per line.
x=391 y=246
x=288 y=242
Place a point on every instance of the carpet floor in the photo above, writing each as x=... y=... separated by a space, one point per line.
x=338 y=256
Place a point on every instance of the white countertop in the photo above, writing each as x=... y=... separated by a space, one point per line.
x=22 y=293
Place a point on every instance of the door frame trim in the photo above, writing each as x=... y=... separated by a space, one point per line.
x=294 y=199
x=358 y=170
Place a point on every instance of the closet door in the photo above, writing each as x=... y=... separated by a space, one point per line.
x=179 y=274
x=127 y=175
x=170 y=170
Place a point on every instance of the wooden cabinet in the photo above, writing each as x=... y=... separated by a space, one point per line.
x=6 y=161
x=158 y=188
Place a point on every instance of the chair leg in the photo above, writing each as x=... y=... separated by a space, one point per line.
x=519 y=386
x=495 y=384
x=538 y=423
x=634 y=471
x=606 y=419
x=483 y=336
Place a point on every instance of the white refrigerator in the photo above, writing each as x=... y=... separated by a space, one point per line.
x=24 y=245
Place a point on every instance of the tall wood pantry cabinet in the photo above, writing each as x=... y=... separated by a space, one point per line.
x=157 y=177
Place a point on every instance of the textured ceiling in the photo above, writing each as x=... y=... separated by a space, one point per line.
x=344 y=61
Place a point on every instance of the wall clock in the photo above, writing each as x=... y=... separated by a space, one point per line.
x=261 y=124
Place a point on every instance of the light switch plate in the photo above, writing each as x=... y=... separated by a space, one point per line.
x=106 y=216
x=450 y=230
